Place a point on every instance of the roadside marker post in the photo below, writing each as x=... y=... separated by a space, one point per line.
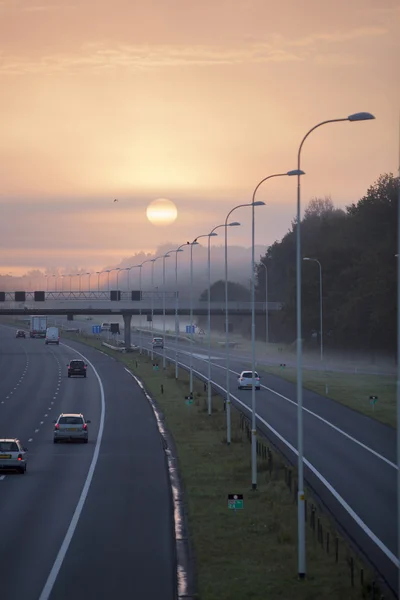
x=373 y=400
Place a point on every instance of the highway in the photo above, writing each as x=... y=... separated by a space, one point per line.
x=351 y=459
x=114 y=490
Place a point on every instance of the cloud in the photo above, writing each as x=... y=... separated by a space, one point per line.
x=99 y=56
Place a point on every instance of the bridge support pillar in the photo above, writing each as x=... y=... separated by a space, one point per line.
x=127 y=330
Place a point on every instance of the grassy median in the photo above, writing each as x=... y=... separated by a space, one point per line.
x=351 y=389
x=250 y=553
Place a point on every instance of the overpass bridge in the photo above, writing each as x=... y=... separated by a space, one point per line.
x=116 y=302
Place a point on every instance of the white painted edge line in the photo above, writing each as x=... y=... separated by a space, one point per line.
x=2 y=477
x=319 y=476
x=181 y=581
x=78 y=510
x=316 y=416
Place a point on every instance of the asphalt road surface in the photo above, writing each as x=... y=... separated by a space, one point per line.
x=123 y=542
x=351 y=458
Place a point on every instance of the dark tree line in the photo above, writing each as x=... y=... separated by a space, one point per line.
x=356 y=248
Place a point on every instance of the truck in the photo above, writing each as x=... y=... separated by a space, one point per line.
x=38 y=326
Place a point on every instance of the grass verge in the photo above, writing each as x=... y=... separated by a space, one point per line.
x=251 y=553
x=350 y=389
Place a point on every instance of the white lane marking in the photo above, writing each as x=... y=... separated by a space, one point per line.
x=2 y=477
x=41 y=422
x=337 y=429
x=30 y=439
x=36 y=430
x=54 y=398
x=72 y=526
x=2 y=401
x=45 y=415
x=322 y=479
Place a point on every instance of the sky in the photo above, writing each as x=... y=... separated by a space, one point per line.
x=195 y=102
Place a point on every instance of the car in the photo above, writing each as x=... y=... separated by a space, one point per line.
x=13 y=455
x=158 y=342
x=71 y=426
x=245 y=380
x=77 y=366
x=20 y=333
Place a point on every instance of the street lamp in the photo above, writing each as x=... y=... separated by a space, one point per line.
x=98 y=280
x=140 y=305
x=398 y=370
x=176 y=308
x=362 y=116
x=153 y=260
x=320 y=303
x=191 y=244
x=253 y=328
x=211 y=234
x=228 y=393
x=118 y=269
x=164 y=257
x=266 y=304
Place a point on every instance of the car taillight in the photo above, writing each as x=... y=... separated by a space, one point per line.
x=69 y=367
x=85 y=427
x=56 y=426
x=84 y=367
x=20 y=457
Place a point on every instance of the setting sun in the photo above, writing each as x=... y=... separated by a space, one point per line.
x=161 y=212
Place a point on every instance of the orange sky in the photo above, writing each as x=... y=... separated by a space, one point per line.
x=190 y=101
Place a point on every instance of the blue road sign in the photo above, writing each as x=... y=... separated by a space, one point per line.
x=190 y=329
x=96 y=328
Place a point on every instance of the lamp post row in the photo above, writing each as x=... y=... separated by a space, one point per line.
x=356 y=117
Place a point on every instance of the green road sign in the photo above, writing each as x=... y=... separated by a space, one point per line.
x=189 y=402
x=373 y=399
x=235 y=501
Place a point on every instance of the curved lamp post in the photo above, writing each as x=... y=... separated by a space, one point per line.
x=266 y=304
x=361 y=116
x=176 y=306
x=227 y=354
x=253 y=329
x=163 y=260
x=320 y=305
x=140 y=307
x=211 y=234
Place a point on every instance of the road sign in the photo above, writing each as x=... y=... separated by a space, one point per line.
x=96 y=329
x=190 y=329
x=189 y=399
x=235 y=501
x=373 y=399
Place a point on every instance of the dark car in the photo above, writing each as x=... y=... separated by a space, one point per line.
x=20 y=333
x=77 y=367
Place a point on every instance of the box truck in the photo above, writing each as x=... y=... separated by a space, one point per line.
x=38 y=326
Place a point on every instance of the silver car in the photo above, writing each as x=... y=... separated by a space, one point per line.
x=158 y=342
x=71 y=426
x=245 y=380
x=13 y=455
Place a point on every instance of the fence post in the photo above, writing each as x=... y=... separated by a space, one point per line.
x=337 y=549
x=352 y=571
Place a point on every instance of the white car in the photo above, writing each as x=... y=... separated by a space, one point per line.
x=158 y=342
x=12 y=455
x=245 y=380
